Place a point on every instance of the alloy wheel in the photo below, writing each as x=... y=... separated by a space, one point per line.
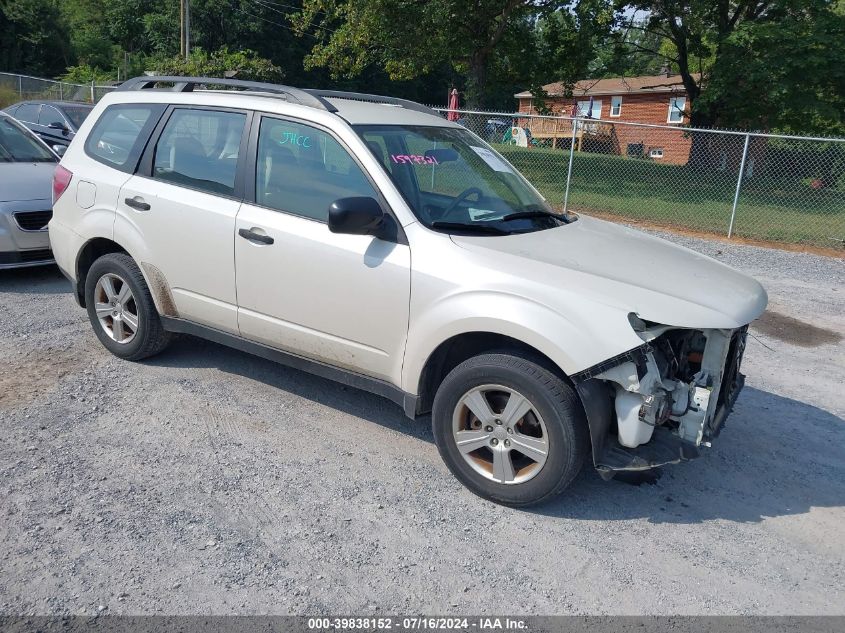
x=116 y=309
x=500 y=434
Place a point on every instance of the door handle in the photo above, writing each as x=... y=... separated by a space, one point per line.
x=255 y=237
x=137 y=203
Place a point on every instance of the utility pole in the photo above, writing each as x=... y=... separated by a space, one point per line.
x=181 y=28
x=187 y=29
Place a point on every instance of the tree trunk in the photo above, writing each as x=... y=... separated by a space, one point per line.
x=702 y=153
x=477 y=81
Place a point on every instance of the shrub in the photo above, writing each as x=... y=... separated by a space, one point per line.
x=245 y=65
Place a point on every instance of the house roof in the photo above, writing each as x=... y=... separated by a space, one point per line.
x=615 y=86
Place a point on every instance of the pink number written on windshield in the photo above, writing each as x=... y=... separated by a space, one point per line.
x=414 y=158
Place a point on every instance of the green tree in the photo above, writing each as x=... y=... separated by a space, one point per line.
x=410 y=38
x=569 y=41
x=33 y=37
x=87 y=28
x=751 y=63
x=629 y=53
x=785 y=73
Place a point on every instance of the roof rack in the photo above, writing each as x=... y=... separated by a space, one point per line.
x=187 y=84
x=307 y=97
x=369 y=98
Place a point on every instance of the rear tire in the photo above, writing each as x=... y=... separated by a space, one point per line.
x=509 y=429
x=121 y=308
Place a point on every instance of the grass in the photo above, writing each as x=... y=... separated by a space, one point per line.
x=700 y=199
x=8 y=96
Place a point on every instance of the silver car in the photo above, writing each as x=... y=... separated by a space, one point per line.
x=26 y=176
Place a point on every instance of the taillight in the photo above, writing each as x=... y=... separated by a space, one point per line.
x=61 y=180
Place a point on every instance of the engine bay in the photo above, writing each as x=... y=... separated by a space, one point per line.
x=682 y=380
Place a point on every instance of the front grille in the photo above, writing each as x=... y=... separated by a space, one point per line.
x=25 y=257
x=33 y=220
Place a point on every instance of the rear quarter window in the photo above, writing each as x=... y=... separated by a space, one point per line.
x=119 y=135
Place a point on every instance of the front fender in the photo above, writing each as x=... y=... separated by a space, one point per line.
x=570 y=343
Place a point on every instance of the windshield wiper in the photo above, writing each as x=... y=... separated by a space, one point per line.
x=535 y=213
x=470 y=228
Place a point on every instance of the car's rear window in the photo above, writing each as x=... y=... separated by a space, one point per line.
x=76 y=114
x=118 y=136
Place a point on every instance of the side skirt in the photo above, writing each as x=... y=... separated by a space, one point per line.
x=373 y=385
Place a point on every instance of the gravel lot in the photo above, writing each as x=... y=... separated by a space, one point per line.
x=208 y=481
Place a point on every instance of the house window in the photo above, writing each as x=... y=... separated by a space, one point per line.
x=584 y=109
x=655 y=152
x=616 y=106
x=676 y=109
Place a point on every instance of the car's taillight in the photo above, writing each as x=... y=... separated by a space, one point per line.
x=61 y=180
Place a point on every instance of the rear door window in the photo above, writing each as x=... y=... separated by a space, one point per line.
x=49 y=115
x=121 y=132
x=199 y=149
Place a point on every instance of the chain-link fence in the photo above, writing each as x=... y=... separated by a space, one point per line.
x=14 y=88
x=759 y=186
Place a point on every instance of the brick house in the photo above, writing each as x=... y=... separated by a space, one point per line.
x=660 y=100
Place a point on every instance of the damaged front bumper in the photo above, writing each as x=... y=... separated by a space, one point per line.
x=658 y=403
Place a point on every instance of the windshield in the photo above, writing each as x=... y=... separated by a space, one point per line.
x=76 y=114
x=455 y=182
x=17 y=146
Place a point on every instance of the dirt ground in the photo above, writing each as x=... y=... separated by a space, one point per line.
x=207 y=481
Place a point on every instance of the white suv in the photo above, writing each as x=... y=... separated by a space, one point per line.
x=370 y=241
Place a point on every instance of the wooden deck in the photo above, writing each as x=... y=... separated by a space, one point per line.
x=561 y=129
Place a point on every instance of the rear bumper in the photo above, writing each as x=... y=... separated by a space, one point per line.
x=66 y=245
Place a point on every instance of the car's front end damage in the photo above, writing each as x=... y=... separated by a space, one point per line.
x=658 y=403
x=650 y=333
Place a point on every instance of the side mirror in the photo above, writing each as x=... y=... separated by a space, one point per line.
x=61 y=127
x=60 y=149
x=356 y=216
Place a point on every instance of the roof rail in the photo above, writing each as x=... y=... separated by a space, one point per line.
x=187 y=84
x=361 y=96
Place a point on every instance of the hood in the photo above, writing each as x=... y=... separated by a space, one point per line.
x=26 y=181
x=614 y=265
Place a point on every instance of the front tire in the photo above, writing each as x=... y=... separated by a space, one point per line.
x=509 y=429
x=121 y=308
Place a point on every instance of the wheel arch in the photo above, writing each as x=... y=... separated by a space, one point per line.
x=96 y=247
x=595 y=398
x=90 y=252
x=460 y=347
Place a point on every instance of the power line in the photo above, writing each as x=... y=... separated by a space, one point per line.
x=261 y=3
x=281 y=4
x=284 y=26
x=264 y=5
